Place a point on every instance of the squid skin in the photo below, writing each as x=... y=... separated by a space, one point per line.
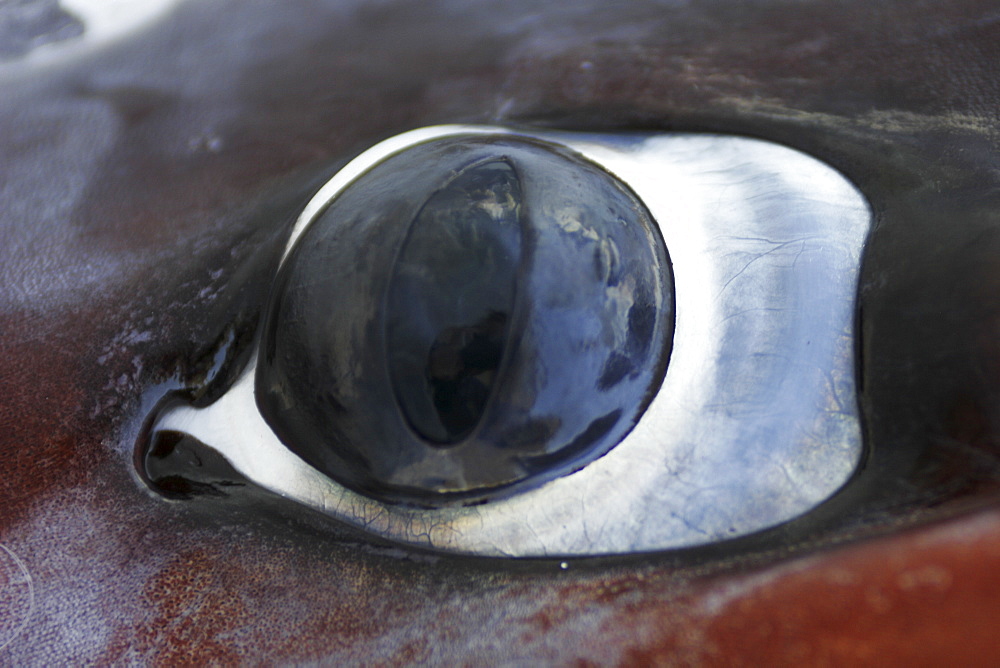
x=147 y=190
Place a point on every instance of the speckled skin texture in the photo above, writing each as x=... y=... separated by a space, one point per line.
x=145 y=193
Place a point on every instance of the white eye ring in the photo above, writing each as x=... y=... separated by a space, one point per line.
x=756 y=421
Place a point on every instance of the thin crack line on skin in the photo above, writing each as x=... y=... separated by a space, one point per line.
x=31 y=596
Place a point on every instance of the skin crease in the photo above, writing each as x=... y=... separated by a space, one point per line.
x=145 y=193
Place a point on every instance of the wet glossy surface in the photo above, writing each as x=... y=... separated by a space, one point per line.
x=451 y=298
x=755 y=422
x=469 y=314
x=134 y=183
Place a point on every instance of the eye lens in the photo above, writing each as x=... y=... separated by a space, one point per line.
x=469 y=316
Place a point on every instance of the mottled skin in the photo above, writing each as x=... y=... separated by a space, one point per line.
x=145 y=191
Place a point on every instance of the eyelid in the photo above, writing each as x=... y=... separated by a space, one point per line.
x=756 y=421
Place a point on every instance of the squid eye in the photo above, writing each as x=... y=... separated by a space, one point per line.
x=469 y=316
x=477 y=342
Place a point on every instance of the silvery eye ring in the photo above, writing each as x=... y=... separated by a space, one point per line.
x=755 y=420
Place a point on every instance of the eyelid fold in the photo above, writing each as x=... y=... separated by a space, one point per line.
x=756 y=420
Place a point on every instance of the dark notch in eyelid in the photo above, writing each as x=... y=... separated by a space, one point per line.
x=179 y=466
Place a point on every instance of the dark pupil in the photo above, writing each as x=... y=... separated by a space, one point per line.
x=450 y=300
x=460 y=370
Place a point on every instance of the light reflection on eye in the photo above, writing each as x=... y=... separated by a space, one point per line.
x=403 y=399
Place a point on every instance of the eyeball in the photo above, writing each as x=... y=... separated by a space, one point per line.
x=474 y=315
x=477 y=343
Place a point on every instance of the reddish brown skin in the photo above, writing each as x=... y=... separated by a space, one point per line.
x=133 y=241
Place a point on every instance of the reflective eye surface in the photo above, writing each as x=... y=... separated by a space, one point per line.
x=532 y=416
x=472 y=314
x=451 y=301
